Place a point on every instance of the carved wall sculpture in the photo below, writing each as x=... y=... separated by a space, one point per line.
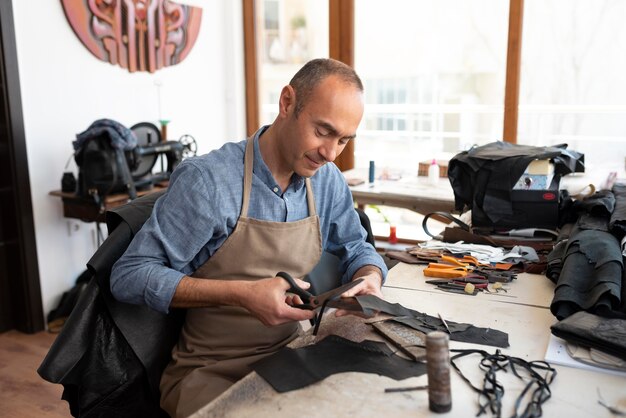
x=140 y=35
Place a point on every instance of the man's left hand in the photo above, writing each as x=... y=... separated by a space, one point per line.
x=371 y=285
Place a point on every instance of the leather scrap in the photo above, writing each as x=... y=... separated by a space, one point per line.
x=592 y=331
x=426 y=323
x=405 y=257
x=291 y=369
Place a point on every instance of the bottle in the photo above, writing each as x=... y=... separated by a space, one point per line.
x=433 y=173
x=393 y=238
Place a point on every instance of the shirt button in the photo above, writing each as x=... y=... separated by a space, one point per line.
x=275 y=189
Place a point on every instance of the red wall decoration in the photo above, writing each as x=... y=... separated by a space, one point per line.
x=140 y=35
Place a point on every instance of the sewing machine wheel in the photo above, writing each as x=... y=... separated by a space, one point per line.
x=190 y=146
x=147 y=134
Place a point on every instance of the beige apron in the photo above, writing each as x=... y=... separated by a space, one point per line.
x=218 y=344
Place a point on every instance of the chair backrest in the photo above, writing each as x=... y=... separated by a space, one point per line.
x=110 y=355
x=365 y=223
x=326 y=274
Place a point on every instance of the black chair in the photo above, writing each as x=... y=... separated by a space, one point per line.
x=326 y=275
x=110 y=355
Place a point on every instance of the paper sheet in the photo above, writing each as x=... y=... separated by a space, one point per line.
x=556 y=353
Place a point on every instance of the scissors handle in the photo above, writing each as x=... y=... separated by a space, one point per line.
x=295 y=289
x=310 y=300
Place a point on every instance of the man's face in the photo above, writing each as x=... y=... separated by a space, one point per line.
x=326 y=123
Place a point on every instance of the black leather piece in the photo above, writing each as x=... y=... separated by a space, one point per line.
x=592 y=331
x=291 y=369
x=100 y=373
x=601 y=204
x=617 y=222
x=557 y=254
x=591 y=274
x=426 y=323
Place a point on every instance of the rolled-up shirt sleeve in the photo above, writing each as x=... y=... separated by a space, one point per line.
x=159 y=256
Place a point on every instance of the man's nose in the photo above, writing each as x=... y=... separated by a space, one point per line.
x=329 y=151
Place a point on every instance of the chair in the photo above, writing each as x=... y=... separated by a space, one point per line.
x=110 y=355
x=326 y=275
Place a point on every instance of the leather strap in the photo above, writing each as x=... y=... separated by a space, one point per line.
x=446 y=215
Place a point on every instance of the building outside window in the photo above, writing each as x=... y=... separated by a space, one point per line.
x=291 y=32
x=435 y=70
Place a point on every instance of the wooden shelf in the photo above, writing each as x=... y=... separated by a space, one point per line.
x=85 y=209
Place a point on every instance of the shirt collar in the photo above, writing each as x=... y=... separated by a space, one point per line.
x=261 y=170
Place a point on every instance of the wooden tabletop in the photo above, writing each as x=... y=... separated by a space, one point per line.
x=407 y=191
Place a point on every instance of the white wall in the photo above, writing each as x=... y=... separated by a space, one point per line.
x=65 y=88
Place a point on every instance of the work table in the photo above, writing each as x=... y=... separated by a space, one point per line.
x=525 y=317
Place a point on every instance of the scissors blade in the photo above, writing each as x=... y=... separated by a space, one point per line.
x=347 y=304
x=320 y=299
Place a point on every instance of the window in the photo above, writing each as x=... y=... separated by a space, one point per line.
x=434 y=74
x=291 y=32
x=572 y=86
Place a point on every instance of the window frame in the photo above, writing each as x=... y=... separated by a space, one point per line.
x=341 y=40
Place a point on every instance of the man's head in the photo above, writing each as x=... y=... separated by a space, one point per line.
x=314 y=71
x=319 y=112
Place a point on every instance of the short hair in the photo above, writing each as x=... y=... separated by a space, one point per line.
x=316 y=70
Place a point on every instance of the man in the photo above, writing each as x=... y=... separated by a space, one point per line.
x=239 y=215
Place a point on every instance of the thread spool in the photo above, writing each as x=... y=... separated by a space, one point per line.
x=438 y=369
x=372 y=172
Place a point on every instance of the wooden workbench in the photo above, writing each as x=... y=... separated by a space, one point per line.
x=408 y=192
x=525 y=317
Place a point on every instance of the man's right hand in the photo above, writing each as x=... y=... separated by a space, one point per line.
x=267 y=299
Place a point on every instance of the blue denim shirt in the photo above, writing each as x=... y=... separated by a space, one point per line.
x=201 y=208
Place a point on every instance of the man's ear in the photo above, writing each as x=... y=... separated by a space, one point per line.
x=287 y=101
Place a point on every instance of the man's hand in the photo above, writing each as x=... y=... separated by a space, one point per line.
x=371 y=285
x=268 y=301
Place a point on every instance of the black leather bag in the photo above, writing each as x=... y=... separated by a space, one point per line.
x=102 y=170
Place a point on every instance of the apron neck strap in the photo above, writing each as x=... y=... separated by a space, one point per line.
x=248 y=164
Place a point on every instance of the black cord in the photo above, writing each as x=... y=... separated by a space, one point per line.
x=538 y=374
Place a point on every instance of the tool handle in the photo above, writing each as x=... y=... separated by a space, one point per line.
x=295 y=289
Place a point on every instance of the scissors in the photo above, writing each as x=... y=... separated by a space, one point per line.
x=311 y=301
x=327 y=299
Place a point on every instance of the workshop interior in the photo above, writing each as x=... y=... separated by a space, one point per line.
x=488 y=173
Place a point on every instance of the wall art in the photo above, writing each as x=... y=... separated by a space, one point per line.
x=139 y=35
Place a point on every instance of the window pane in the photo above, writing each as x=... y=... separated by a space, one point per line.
x=289 y=33
x=434 y=73
x=573 y=88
